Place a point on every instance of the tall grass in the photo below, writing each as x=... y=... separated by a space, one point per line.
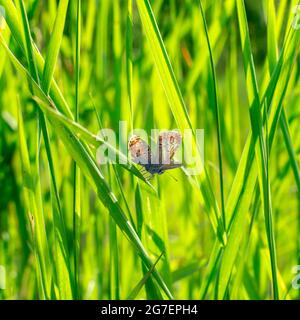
x=71 y=229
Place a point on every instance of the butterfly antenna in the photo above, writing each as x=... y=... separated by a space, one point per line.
x=172 y=176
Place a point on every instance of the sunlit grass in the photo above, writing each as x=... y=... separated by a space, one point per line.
x=71 y=229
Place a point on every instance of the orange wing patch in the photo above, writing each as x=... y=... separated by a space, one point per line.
x=139 y=149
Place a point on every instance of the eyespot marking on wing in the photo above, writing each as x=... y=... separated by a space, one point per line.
x=168 y=143
x=139 y=149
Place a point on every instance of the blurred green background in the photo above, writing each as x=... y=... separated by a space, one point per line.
x=62 y=235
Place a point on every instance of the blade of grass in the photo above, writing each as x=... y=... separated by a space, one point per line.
x=129 y=24
x=54 y=45
x=15 y=26
x=76 y=173
x=34 y=215
x=256 y=125
x=62 y=266
x=88 y=166
x=95 y=142
x=187 y=271
x=217 y=116
x=135 y=291
x=290 y=149
x=151 y=289
x=178 y=107
x=116 y=174
x=114 y=263
x=245 y=177
x=272 y=48
x=257 y=131
x=271 y=34
x=272 y=59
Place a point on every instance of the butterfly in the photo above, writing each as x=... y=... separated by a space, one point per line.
x=162 y=159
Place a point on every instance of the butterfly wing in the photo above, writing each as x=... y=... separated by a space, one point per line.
x=168 y=143
x=140 y=150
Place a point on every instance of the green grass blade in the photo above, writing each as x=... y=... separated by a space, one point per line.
x=245 y=176
x=177 y=106
x=135 y=291
x=272 y=59
x=291 y=150
x=257 y=130
x=88 y=166
x=272 y=34
x=62 y=258
x=217 y=116
x=76 y=173
x=13 y=22
x=34 y=215
x=129 y=24
x=54 y=45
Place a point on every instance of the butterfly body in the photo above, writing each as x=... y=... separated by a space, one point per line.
x=160 y=161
